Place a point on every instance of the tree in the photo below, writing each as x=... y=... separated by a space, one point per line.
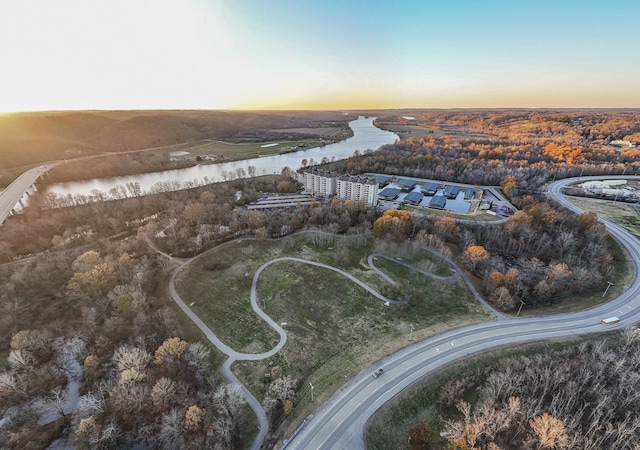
x=194 y=418
x=127 y=357
x=170 y=352
x=509 y=183
x=475 y=254
x=279 y=391
x=550 y=432
x=164 y=392
x=446 y=228
x=195 y=213
x=420 y=437
x=394 y=222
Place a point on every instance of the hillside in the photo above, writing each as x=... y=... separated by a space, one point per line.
x=30 y=138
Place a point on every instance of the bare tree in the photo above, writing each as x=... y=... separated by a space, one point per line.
x=279 y=390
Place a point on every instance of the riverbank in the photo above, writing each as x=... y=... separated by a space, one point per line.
x=365 y=137
x=183 y=156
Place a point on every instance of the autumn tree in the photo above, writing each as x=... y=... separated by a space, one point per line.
x=195 y=213
x=509 y=183
x=420 y=437
x=550 y=432
x=394 y=222
x=170 y=353
x=475 y=254
x=446 y=228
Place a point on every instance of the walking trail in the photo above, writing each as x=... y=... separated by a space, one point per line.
x=234 y=356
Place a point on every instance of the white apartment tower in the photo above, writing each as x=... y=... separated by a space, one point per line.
x=357 y=188
x=345 y=187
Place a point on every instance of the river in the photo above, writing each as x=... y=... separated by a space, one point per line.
x=366 y=136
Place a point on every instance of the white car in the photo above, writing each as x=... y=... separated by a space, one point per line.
x=377 y=373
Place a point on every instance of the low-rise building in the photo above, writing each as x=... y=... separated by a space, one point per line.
x=430 y=188
x=389 y=193
x=438 y=202
x=406 y=185
x=414 y=198
x=451 y=191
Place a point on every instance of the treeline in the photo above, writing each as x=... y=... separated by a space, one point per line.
x=70 y=221
x=483 y=164
x=571 y=126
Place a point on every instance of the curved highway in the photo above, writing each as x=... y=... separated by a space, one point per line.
x=340 y=422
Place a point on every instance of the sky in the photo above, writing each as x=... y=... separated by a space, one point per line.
x=318 y=54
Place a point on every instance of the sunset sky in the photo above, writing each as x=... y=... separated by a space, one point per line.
x=318 y=54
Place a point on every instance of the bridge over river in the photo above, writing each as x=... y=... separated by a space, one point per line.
x=12 y=196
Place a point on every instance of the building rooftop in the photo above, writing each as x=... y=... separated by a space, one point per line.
x=430 y=187
x=414 y=197
x=407 y=183
x=389 y=192
x=438 y=201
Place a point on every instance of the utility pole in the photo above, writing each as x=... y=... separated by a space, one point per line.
x=521 y=305
x=609 y=284
x=311 y=390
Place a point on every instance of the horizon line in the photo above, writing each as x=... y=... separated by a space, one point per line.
x=426 y=108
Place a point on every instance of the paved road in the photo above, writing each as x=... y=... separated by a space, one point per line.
x=13 y=193
x=340 y=423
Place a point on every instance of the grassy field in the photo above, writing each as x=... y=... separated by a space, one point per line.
x=478 y=214
x=624 y=214
x=335 y=328
x=230 y=151
x=418 y=131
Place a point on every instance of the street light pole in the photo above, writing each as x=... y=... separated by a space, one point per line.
x=410 y=331
x=311 y=390
x=609 y=284
x=521 y=305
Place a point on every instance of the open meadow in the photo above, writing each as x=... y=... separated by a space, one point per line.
x=335 y=328
x=624 y=214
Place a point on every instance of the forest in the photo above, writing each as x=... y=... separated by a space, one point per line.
x=532 y=146
x=565 y=396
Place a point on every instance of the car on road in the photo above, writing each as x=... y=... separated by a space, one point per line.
x=377 y=373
